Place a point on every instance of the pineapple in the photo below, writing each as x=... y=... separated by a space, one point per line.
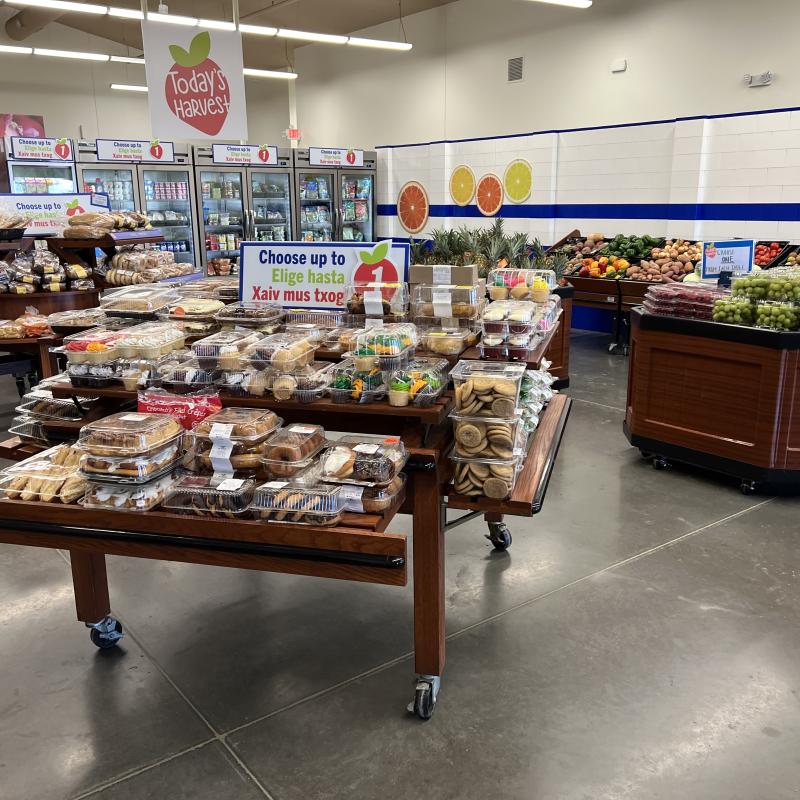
x=469 y=245
x=441 y=247
x=419 y=250
x=518 y=251
x=560 y=261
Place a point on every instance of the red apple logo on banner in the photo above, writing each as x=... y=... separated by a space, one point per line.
x=196 y=89
x=375 y=266
x=74 y=208
x=351 y=157
x=156 y=150
x=62 y=148
x=263 y=153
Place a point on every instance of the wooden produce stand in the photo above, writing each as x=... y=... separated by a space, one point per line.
x=722 y=397
x=361 y=548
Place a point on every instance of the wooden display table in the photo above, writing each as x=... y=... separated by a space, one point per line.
x=723 y=397
x=358 y=549
x=14 y=305
x=37 y=348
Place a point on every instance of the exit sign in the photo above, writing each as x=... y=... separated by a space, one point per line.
x=293 y=134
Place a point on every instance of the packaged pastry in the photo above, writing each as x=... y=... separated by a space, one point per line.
x=485 y=477
x=93 y=376
x=11 y=329
x=509 y=316
x=144 y=373
x=48 y=477
x=281 y=501
x=377 y=300
x=211 y=496
x=195 y=308
x=282 y=351
x=150 y=340
x=322 y=319
x=189 y=377
x=351 y=385
x=82 y=285
x=29 y=429
x=389 y=347
x=446 y=302
x=33 y=323
x=420 y=383
x=447 y=341
x=96 y=220
x=67 y=322
x=127 y=497
x=77 y=271
x=247 y=313
x=365 y=459
x=94 y=346
x=223 y=350
x=15 y=287
x=246 y=382
x=84 y=232
x=41 y=404
x=373 y=499
x=520 y=284
x=46 y=264
x=493 y=345
x=138 y=301
x=488 y=437
x=305 y=385
x=131 y=469
x=291 y=450
x=486 y=388
x=194 y=329
x=129 y=433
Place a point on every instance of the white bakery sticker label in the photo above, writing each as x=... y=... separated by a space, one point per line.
x=133 y=418
x=135 y=150
x=276 y=484
x=220 y=432
x=373 y=303
x=442 y=304
x=264 y=155
x=230 y=485
x=305 y=429
x=42 y=149
x=351 y=498
x=220 y=455
x=368 y=449
x=441 y=273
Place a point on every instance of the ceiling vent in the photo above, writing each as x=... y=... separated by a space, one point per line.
x=515 y=69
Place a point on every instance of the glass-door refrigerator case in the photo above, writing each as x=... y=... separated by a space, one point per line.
x=336 y=194
x=167 y=192
x=37 y=166
x=102 y=167
x=240 y=198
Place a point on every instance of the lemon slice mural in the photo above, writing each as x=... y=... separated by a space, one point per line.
x=518 y=180
x=462 y=185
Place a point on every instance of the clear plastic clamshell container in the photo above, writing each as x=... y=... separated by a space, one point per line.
x=215 y=288
x=695 y=301
x=352 y=385
x=487 y=386
x=282 y=501
x=504 y=317
x=189 y=377
x=446 y=302
x=286 y=352
x=47 y=477
x=150 y=340
x=131 y=469
x=291 y=450
x=447 y=341
x=94 y=346
x=419 y=384
x=305 y=385
x=137 y=301
x=388 y=347
x=224 y=350
x=126 y=497
x=364 y=459
x=249 y=314
x=372 y=499
x=28 y=429
x=320 y=318
x=521 y=284
x=244 y=382
x=40 y=404
x=147 y=373
x=485 y=477
x=210 y=496
x=194 y=308
x=376 y=299
x=488 y=437
x=93 y=376
x=73 y=321
x=129 y=433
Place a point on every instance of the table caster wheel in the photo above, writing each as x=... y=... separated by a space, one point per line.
x=748 y=487
x=106 y=633
x=646 y=455
x=625 y=350
x=425 y=694
x=659 y=462
x=499 y=535
x=612 y=348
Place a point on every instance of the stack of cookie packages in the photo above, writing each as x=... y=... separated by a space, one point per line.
x=490 y=441
x=48 y=477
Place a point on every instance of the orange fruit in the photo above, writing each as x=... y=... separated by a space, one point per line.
x=462 y=185
x=489 y=195
x=412 y=207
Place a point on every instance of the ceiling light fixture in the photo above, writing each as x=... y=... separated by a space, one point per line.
x=378 y=43
x=45 y=51
x=64 y=5
x=127 y=60
x=570 y=3
x=125 y=13
x=216 y=24
x=268 y=73
x=258 y=30
x=172 y=19
x=308 y=36
x=9 y=48
x=127 y=87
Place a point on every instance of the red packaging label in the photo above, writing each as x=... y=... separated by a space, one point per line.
x=188 y=410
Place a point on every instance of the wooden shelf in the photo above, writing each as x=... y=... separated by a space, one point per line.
x=14 y=449
x=113 y=239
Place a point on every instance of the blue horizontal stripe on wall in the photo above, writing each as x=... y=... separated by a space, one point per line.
x=756 y=212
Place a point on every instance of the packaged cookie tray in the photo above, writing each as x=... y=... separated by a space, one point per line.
x=291 y=450
x=245 y=313
x=283 y=501
x=364 y=459
x=131 y=469
x=129 y=433
x=489 y=437
x=488 y=387
x=243 y=427
x=322 y=319
x=210 y=496
x=40 y=404
x=121 y=497
x=28 y=429
x=485 y=477
x=49 y=477
x=69 y=322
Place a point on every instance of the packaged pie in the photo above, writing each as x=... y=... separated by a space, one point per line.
x=282 y=351
x=138 y=301
x=195 y=308
x=292 y=449
x=210 y=496
x=48 y=477
x=94 y=346
x=483 y=386
x=127 y=497
x=67 y=322
x=131 y=469
x=281 y=501
x=364 y=459
x=485 y=477
x=224 y=350
x=129 y=433
x=248 y=313
x=150 y=340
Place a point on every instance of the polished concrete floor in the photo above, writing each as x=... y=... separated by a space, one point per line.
x=640 y=639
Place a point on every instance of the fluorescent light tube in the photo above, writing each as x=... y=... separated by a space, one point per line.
x=259 y=30
x=269 y=73
x=127 y=87
x=379 y=43
x=127 y=60
x=172 y=19
x=308 y=36
x=125 y=13
x=216 y=24
x=8 y=48
x=44 y=51
x=64 y=5
x=570 y=3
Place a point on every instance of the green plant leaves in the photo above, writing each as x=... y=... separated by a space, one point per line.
x=199 y=48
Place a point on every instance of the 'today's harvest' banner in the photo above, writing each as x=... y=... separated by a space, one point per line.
x=316 y=274
x=50 y=213
x=195 y=82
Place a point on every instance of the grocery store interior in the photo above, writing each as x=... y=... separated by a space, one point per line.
x=399 y=399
